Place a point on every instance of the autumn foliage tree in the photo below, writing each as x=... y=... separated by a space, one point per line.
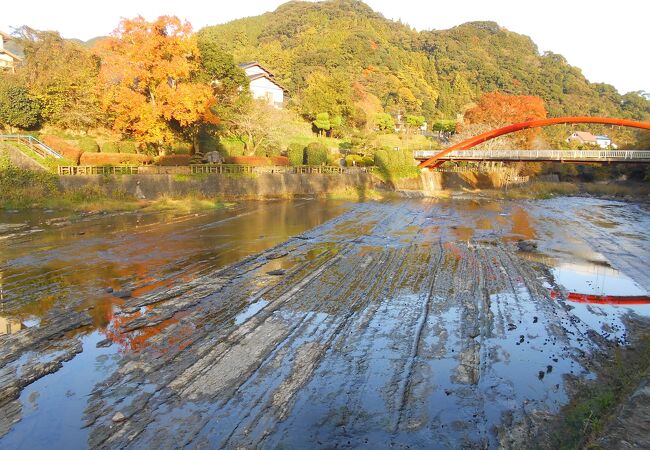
x=496 y=109
x=149 y=82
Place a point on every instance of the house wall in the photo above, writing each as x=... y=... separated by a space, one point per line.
x=6 y=60
x=604 y=143
x=266 y=89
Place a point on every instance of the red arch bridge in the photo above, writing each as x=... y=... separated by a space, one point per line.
x=463 y=150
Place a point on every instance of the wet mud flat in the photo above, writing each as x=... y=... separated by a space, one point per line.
x=412 y=324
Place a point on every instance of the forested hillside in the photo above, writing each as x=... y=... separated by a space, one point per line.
x=343 y=58
x=351 y=75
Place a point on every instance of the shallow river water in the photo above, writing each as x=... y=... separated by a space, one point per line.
x=310 y=323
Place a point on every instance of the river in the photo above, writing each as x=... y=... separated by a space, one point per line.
x=421 y=323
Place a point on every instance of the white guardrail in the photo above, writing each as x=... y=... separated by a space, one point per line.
x=39 y=147
x=546 y=155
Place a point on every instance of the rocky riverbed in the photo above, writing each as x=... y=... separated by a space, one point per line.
x=408 y=324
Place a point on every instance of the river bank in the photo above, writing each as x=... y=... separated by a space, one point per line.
x=24 y=189
x=365 y=323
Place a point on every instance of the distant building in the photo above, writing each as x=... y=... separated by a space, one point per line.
x=604 y=141
x=8 y=60
x=586 y=138
x=263 y=84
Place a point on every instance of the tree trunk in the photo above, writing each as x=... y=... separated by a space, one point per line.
x=195 y=144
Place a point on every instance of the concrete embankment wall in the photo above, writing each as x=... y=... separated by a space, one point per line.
x=430 y=182
x=259 y=186
x=19 y=159
x=226 y=186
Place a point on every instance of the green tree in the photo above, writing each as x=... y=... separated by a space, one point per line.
x=322 y=123
x=385 y=122
x=461 y=92
x=415 y=121
x=330 y=93
x=18 y=109
x=446 y=104
x=62 y=75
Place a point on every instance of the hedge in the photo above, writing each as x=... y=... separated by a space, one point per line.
x=316 y=154
x=394 y=164
x=258 y=160
x=359 y=161
x=88 y=144
x=296 y=154
x=61 y=146
x=98 y=159
x=174 y=160
x=110 y=147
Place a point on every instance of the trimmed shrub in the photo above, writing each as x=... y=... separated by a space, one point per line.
x=174 y=160
x=296 y=154
x=59 y=145
x=395 y=164
x=316 y=154
x=258 y=160
x=334 y=159
x=99 y=159
x=88 y=144
x=353 y=160
x=110 y=147
x=268 y=152
x=127 y=147
x=359 y=161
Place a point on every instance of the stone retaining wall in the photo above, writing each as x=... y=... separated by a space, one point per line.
x=225 y=186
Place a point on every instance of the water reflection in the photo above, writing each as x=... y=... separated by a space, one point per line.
x=10 y=326
x=139 y=253
x=598 y=284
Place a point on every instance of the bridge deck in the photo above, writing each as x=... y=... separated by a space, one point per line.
x=577 y=156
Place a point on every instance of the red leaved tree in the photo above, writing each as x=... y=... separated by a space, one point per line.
x=496 y=109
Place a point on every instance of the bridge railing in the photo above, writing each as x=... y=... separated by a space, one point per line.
x=40 y=148
x=555 y=155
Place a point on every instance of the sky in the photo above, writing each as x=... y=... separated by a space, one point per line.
x=608 y=40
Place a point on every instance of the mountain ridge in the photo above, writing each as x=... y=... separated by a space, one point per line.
x=432 y=72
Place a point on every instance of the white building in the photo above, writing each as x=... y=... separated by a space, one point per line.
x=263 y=84
x=604 y=142
x=586 y=138
x=8 y=60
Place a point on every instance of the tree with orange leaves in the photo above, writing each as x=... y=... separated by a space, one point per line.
x=496 y=109
x=149 y=84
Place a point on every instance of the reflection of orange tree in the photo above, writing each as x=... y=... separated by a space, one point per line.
x=521 y=224
x=141 y=338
